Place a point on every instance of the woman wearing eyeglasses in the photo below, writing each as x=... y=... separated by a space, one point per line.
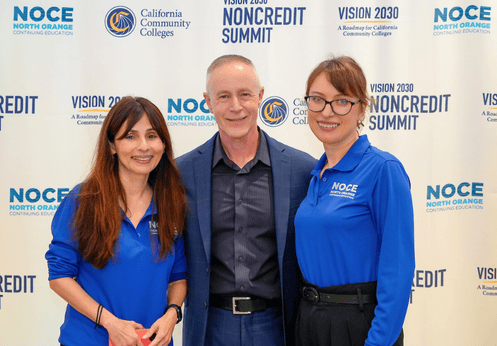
x=355 y=228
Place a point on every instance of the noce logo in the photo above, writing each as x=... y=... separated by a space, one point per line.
x=472 y=12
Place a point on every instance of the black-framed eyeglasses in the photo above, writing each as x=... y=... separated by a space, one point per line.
x=339 y=107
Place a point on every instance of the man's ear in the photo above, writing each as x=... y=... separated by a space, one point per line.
x=208 y=101
x=261 y=95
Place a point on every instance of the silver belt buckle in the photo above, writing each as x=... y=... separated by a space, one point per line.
x=235 y=299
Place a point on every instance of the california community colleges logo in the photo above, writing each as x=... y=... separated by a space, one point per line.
x=274 y=111
x=120 y=21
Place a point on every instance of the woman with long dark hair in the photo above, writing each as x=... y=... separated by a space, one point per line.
x=116 y=256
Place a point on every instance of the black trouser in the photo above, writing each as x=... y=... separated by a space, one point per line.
x=337 y=324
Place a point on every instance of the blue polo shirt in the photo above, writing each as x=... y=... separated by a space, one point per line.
x=133 y=284
x=356 y=225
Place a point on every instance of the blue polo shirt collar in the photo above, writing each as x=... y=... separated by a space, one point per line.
x=350 y=160
x=151 y=210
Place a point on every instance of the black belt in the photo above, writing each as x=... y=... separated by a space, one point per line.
x=243 y=305
x=314 y=297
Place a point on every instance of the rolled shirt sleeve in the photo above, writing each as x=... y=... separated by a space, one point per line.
x=178 y=271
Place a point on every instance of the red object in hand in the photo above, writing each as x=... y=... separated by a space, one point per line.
x=141 y=333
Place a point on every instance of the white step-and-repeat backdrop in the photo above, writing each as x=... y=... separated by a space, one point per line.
x=431 y=66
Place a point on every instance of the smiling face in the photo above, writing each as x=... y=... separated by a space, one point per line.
x=234 y=97
x=139 y=151
x=335 y=131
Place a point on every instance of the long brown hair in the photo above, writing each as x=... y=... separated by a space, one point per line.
x=97 y=222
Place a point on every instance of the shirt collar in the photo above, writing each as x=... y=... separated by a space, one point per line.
x=262 y=153
x=351 y=158
x=151 y=210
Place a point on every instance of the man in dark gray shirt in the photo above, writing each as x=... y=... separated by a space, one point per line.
x=244 y=254
x=243 y=191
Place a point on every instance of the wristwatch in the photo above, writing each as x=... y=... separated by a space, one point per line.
x=178 y=311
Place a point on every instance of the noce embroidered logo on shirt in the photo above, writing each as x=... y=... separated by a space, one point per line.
x=343 y=190
x=153 y=227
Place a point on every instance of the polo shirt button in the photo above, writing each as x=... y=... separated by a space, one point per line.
x=240 y=230
x=324 y=179
x=240 y=259
x=242 y=287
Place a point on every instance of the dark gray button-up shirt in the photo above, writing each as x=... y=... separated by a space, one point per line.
x=244 y=254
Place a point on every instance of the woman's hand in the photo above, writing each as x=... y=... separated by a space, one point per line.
x=164 y=326
x=122 y=332
x=163 y=329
